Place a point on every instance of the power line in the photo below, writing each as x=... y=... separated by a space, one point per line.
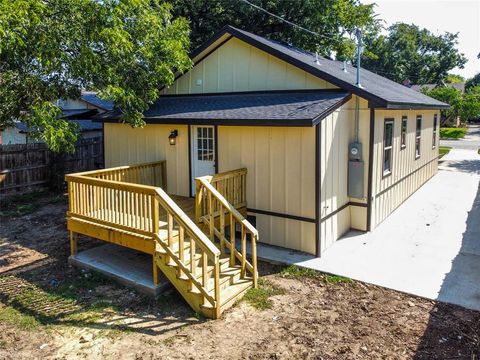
x=288 y=22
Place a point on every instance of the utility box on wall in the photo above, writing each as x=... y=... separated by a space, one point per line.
x=355 y=179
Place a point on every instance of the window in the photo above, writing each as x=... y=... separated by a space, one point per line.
x=387 y=146
x=403 y=134
x=205 y=146
x=418 y=136
x=434 y=137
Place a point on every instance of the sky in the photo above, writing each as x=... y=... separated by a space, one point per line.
x=438 y=16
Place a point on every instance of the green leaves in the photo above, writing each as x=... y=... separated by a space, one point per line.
x=411 y=53
x=335 y=20
x=51 y=49
x=464 y=105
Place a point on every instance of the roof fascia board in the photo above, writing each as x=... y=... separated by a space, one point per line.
x=222 y=122
x=330 y=110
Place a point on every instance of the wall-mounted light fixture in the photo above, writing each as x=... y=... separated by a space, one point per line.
x=172 y=137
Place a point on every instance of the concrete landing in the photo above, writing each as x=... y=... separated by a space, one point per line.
x=126 y=266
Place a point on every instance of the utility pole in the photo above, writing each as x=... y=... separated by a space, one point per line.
x=358 y=34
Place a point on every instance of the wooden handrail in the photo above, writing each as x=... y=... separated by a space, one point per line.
x=210 y=204
x=124 y=167
x=152 y=173
x=171 y=207
x=239 y=217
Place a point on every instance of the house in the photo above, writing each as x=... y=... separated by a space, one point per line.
x=274 y=144
x=255 y=103
x=79 y=111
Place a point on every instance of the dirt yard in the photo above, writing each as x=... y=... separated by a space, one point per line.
x=51 y=311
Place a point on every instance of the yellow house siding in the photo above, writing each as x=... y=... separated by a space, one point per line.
x=408 y=174
x=281 y=179
x=125 y=145
x=337 y=132
x=237 y=66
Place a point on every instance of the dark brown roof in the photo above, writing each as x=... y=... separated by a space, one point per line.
x=283 y=108
x=380 y=91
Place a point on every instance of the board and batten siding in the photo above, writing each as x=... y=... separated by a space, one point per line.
x=337 y=132
x=408 y=173
x=280 y=179
x=125 y=145
x=237 y=66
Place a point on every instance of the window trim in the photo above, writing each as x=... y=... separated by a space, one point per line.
x=403 y=136
x=434 y=132
x=418 y=137
x=388 y=172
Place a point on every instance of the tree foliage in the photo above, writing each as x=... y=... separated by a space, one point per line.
x=408 y=52
x=466 y=105
x=51 y=49
x=454 y=79
x=474 y=81
x=337 y=20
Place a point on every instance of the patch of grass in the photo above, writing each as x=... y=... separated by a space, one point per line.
x=294 y=271
x=443 y=150
x=20 y=204
x=11 y=316
x=259 y=298
x=336 y=279
x=452 y=133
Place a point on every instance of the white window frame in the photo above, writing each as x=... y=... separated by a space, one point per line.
x=388 y=149
x=418 y=136
x=434 y=135
x=403 y=134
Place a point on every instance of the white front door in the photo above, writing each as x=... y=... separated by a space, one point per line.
x=203 y=152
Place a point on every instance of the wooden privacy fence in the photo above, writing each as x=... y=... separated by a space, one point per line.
x=31 y=167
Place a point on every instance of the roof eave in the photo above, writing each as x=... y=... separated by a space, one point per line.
x=415 y=106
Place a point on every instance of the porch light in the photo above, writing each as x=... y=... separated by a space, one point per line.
x=172 y=137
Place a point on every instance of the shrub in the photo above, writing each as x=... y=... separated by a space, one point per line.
x=452 y=133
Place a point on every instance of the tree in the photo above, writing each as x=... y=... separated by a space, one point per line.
x=474 y=81
x=408 y=52
x=454 y=79
x=335 y=20
x=466 y=106
x=51 y=49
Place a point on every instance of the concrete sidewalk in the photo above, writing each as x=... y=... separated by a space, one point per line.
x=430 y=246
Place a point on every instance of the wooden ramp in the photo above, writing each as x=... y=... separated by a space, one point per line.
x=192 y=241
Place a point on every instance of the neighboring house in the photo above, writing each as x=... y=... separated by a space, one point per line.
x=16 y=134
x=79 y=110
x=314 y=172
x=458 y=86
x=443 y=121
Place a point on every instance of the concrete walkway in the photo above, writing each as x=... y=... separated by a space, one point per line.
x=430 y=246
x=470 y=142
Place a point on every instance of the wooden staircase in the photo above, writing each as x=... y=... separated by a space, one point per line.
x=128 y=206
x=208 y=271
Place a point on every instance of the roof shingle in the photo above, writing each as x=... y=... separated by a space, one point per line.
x=301 y=108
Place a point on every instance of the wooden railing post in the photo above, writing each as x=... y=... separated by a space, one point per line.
x=254 y=260
x=155 y=229
x=198 y=200
x=217 y=287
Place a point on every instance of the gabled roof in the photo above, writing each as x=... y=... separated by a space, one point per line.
x=458 y=86
x=92 y=98
x=78 y=113
x=380 y=91
x=283 y=108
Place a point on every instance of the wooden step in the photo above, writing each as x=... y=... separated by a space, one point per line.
x=233 y=293
x=224 y=265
